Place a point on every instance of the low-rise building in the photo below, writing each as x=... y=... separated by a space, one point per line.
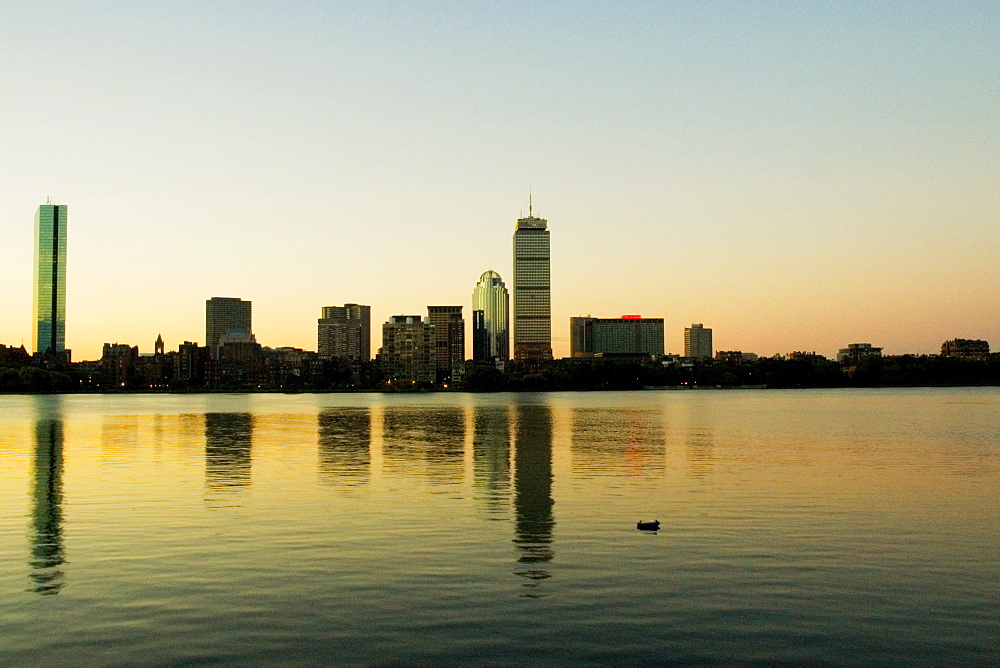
x=855 y=352
x=627 y=335
x=966 y=348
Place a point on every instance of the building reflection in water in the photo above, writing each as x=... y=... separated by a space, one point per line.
x=47 y=542
x=491 y=458
x=228 y=438
x=345 y=436
x=433 y=437
x=533 y=521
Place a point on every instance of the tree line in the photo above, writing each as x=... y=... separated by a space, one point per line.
x=566 y=374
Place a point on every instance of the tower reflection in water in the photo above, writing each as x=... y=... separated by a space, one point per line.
x=491 y=459
x=47 y=543
x=228 y=438
x=345 y=436
x=533 y=492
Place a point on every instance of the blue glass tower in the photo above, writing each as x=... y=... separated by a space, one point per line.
x=49 y=303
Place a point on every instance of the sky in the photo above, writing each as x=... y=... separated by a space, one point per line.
x=794 y=175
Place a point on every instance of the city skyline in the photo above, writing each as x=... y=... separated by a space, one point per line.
x=796 y=177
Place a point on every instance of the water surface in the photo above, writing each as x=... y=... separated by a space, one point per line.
x=836 y=526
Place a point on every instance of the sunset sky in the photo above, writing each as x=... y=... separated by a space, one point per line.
x=794 y=175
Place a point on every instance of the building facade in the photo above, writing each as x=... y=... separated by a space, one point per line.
x=855 y=352
x=118 y=362
x=48 y=333
x=345 y=332
x=532 y=290
x=226 y=317
x=629 y=334
x=449 y=341
x=490 y=319
x=408 y=353
x=698 y=342
x=966 y=348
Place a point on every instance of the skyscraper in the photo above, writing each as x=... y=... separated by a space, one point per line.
x=48 y=335
x=226 y=317
x=449 y=341
x=346 y=332
x=698 y=342
x=490 y=319
x=532 y=290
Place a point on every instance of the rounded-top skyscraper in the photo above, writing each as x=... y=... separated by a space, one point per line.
x=490 y=319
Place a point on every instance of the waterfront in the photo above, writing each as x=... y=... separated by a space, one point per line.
x=838 y=526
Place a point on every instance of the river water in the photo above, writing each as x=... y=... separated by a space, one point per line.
x=827 y=526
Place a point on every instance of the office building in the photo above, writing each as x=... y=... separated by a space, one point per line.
x=408 y=353
x=698 y=342
x=532 y=290
x=966 y=348
x=449 y=341
x=490 y=319
x=629 y=334
x=345 y=332
x=48 y=333
x=226 y=318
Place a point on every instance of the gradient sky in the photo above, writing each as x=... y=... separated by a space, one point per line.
x=794 y=175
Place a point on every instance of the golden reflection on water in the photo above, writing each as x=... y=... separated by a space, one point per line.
x=278 y=522
x=512 y=457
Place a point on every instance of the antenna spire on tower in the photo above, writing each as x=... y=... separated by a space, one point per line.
x=530 y=215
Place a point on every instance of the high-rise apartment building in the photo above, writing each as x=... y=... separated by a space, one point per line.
x=698 y=342
x=490 y=319
x=449 y=341
x=629 y=334
x=226 y=317
x=48 y=333
x=408 y=352
x=532 y=290
x=346 y=332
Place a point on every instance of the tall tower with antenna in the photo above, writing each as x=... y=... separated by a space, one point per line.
x=532 y=289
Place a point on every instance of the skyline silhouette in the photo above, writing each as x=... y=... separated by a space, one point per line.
x=796 y=177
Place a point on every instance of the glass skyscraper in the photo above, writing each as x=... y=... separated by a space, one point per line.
x=532 y=290
x=490 y=319
x=49 y=303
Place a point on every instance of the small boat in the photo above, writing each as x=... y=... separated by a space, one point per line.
x=648 y=526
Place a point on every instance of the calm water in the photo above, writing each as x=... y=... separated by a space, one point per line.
x=837 y=526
